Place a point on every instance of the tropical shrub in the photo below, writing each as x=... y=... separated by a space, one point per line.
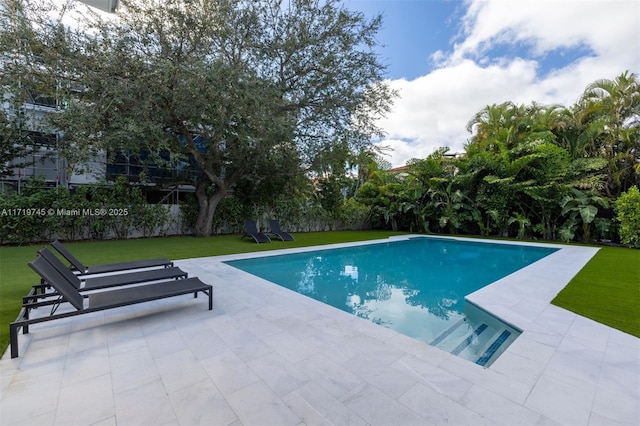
x=628 y=210
x=40 y=213
x=582 y=207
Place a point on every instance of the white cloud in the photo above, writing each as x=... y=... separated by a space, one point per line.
x=433 y=110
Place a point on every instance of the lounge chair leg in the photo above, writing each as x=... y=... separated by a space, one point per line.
x=13 y=337
x=210 y=293
x=25 y=328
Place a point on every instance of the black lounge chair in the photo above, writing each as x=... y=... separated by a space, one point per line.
x=274 y=226
x=98 y=301
x=251 y=230
x=95 y=283
x=110 y=267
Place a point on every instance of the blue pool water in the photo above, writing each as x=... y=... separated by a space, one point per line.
x=415 y=286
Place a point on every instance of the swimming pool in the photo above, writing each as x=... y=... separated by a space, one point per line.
x=415 y=286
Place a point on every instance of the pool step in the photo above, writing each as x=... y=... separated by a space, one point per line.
x=438 y=340
x=469 y=339
x=493 y=348
x=477 y=342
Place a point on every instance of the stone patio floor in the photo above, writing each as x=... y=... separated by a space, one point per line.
x=268 y=356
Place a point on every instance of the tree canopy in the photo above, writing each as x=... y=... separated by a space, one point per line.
x=240 y=88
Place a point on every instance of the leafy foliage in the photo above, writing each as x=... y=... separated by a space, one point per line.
x=628 y=209
x=529 y=171
x=40 y=213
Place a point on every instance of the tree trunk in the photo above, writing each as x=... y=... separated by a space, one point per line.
x=207 y=207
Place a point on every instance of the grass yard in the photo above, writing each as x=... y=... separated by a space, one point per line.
x=607 y=290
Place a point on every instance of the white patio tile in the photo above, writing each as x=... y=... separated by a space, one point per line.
x=577 y=359
x=86 y=402
x=228 y=372
x=120 y=345
x=179 y=370
x=625 y=339
x=111 y=421
x=165 y=343
x=305 y=411
x=258 y=405
x=493 y=381
x=92 y=337
x=451 y=385
x=376 y=408
x=620 y=379
x=565 y=400
x=518 y=367
x=81 y=366
x=329 y=375
x=374 y=368
x=202 y=404
x=32 y=368
x=278 y=373
x=44 y=346
x=291 y=348
x=260 y=325
x=619 y=407
x=132 y=369
x=528 y=346
x=18 y=403
x=419 y=350
x=497 y=409
x=555 y=320
x=599 y=420
x=240 y=339
x=623 y=356
x=202 y=343
x=437 y=409
x=589 y=332
x=147 y=404
x=316 y=406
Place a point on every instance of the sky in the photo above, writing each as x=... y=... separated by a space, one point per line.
x=449 y=59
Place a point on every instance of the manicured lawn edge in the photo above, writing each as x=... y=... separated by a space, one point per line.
x=607 y=290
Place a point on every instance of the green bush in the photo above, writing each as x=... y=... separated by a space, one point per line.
x=26 y=217
x=229 y=215
x=354 y=214
x=628 y=210
x=40 y=213
x=189 y=212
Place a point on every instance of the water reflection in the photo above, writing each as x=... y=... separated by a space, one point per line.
x=415 y=286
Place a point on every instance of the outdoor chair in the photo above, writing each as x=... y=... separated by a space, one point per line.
x=95 y=283
x=274 y=226
x=98 y=301
x=251 y=230
x=110 y=267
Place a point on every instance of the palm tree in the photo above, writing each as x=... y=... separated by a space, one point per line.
x=495 y=128
x=609 y=114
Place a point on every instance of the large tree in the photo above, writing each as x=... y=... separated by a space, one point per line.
x=16 y=88
x=242 y=88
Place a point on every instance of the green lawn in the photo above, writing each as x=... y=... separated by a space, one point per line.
x=607 y=289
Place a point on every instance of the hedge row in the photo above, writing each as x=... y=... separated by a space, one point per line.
x=39 y=213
